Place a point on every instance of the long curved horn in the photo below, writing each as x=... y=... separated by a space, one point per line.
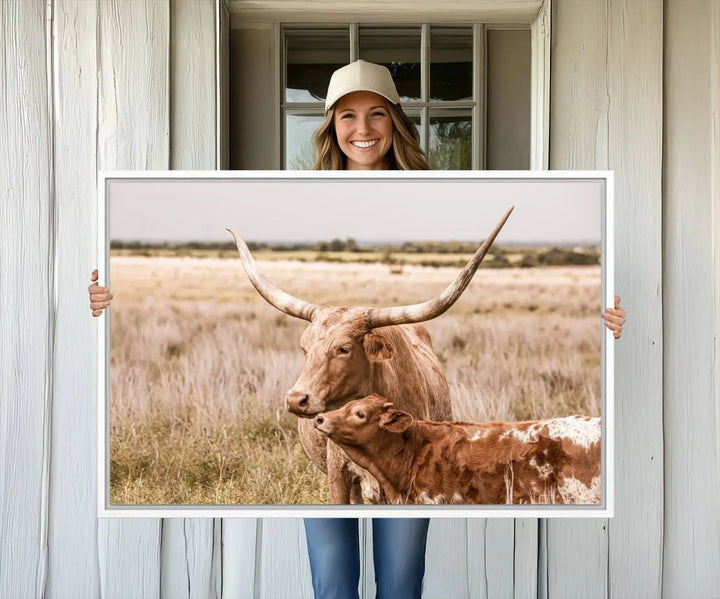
x=272 y=293
x=382 y=317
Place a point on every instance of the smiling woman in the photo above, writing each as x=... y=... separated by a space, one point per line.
x=365 y=128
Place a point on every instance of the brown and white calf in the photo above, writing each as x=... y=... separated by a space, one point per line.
x=420 y=461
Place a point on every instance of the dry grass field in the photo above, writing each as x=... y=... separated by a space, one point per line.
x=200 y=365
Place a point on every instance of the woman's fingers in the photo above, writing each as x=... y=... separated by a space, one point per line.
x=100 y=296
x=614 y=326
x=611 y=316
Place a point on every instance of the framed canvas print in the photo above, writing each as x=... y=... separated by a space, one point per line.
x=343 y=344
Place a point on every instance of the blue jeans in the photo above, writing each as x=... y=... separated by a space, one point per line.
x=398 y=556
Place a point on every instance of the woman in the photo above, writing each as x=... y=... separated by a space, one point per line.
x=365 y=129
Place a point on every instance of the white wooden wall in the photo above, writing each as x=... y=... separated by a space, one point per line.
x=91 y=86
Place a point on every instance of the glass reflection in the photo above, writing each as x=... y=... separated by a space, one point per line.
x=299 y=151
x=450 y=140
x=312 y=56
x=451 y=63
x=397 y=48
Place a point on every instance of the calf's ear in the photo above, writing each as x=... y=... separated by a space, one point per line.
x=377 y=347
x=396 y=421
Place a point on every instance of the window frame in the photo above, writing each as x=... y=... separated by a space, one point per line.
x=539 y=84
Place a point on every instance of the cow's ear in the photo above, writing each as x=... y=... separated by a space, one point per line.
x=377 y=347
x=396 y=421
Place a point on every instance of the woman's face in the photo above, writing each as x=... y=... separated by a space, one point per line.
x=364 y=130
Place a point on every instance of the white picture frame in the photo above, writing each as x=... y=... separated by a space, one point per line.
x=341 y=180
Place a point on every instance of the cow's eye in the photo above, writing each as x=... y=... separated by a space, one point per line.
x=344 y=349
x=360 y=415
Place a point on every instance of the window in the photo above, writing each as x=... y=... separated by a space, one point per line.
x=451 y=80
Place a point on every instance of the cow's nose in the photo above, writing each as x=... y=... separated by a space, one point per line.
x=297 y=401
x=319 y=420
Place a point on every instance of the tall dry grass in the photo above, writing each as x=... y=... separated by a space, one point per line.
x=200 y=365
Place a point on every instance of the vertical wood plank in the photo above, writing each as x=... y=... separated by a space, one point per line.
x=239 y=557
x=284 y=567
x=133 y=128
x=525 y=576
x=192 y=85
x=577 y=554
x=186 y=558
x=446 y=559
x=692 y=460
x=491 y=559
x=27 y=314
x=635 y=154
x=73 y=564
x=129 y=557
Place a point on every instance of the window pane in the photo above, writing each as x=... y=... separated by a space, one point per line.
x=450 y=140
x=397 y=48
x=312 y=56
x=299 y=151
x=451 y=63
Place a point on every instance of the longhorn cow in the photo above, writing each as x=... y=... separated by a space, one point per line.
x=351 y=352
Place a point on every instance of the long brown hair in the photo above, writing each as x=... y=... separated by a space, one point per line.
x=404 y=155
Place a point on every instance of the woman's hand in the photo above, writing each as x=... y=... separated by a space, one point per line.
x=614 y=318
x=99 y=296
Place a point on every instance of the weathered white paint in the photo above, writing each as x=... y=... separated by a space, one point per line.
x=187 y=558
x=381 y=11
x=133 y=132
x=74 y=415
x=284 y=567
x=446 y=559
x=608 y=114
x=578 y=140
x=26 y=297
x=102 y=94
x=635 y=83
x=239 y=557
x=192 y=85
x=692 y=460
x=526 y=558
x=491 y=558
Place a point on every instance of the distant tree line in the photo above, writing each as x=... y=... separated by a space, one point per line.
x=502 y=256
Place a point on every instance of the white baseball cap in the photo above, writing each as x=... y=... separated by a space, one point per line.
x=361 y=76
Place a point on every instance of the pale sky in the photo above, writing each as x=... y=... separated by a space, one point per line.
x=546 y=211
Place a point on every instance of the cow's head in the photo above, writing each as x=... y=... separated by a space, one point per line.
x=341 y=343
x=358 y=423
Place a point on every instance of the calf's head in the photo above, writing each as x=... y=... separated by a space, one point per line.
x=341 y=343
x=360 y=423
